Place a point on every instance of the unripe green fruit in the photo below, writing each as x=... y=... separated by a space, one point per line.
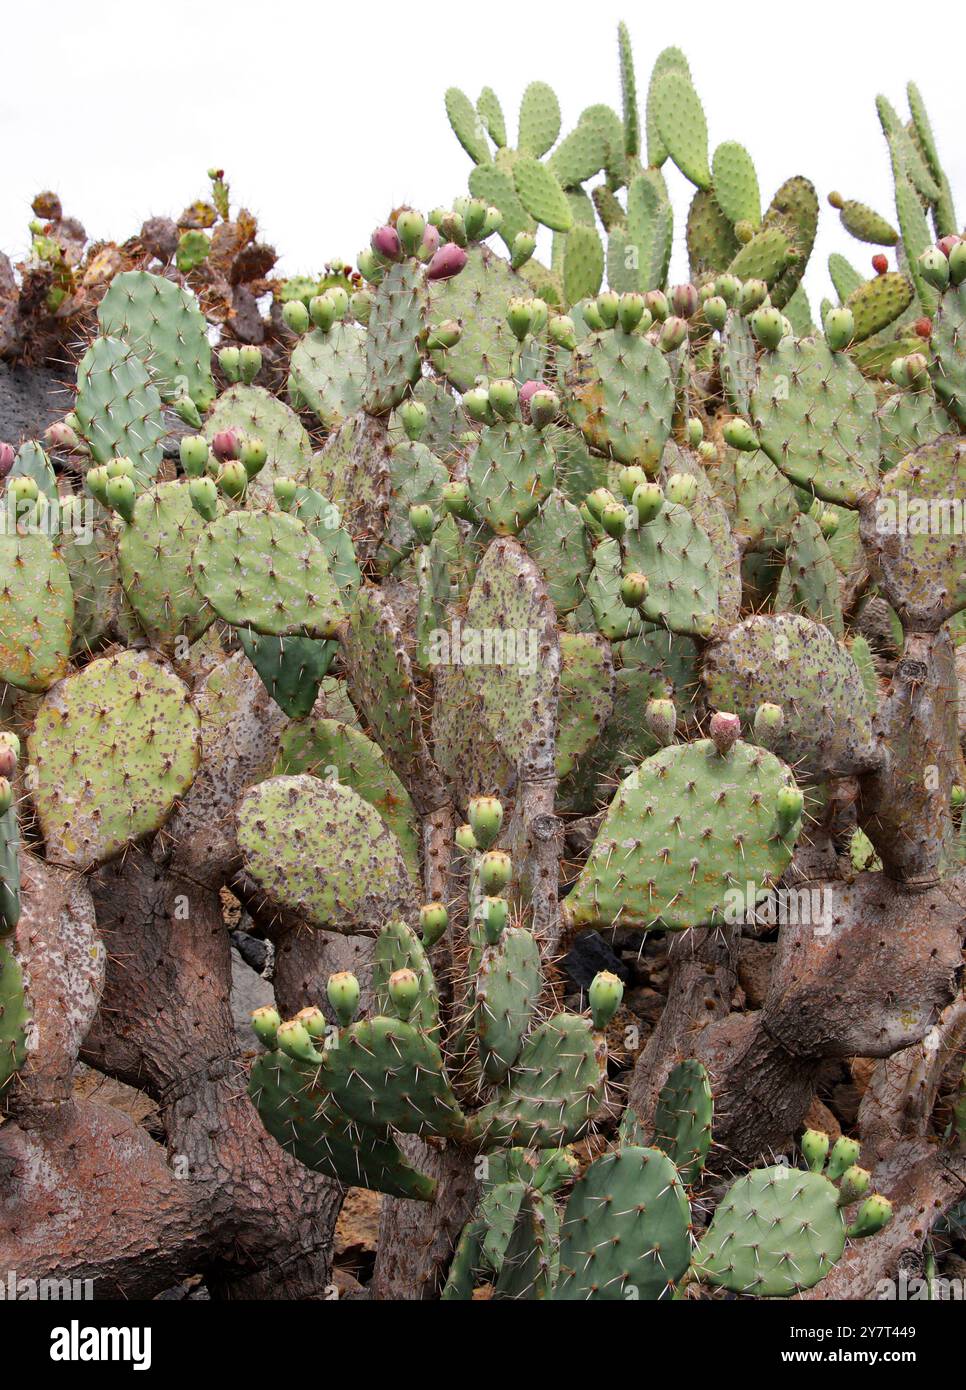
x=657 y=305
x=844 y=1153
x=934 y=268
x=360 y=302
x=433 y=921
x=6 y=796
x=840 y=326
x=855 y=1184
x=957 y=797
x=716 y=312
x=597 y=500
x=194 y=455
x=695 y=431
x=370 y=266
x=496 y=870
x=121 y=496
x=229 y=360
x=728 y=288
x=296 y=316
x=285 y=490
x=519 y=315
x=294 y=1040
x=814 y=1146
x=631 y=310
x=505 y=398
x=322 y=309
x=342 y=992
x=494 y=914
x=608 y=306
x=681 y=489
x=486 y=819
x=630 y=478
x=474 y=218
x=769 y=722
x=524 y=246
x=476 y=403
x=253 y=456
x=673 y=334
x=660 y=718
x=414 y=417
x=614 y=519
x=23 y=489
x=455 y=498
x=233 y=479
x=752 y=294
x=97 y=481
x=648 y=499
x=423 y=522
x=707 y=451
x=563 y=331
x=444 y=336
x=120 y=468
x=788 y=804
x=592 y=316
x=604 y=997
x=204 y=497
x=404 y=992
x=410 y=226
x=874 y=1213
x=957 y=263
x=634 y=589
x=739 y=435
x=544 y=407
x=768 y=326
x=249 y=363
x=465 y=839
x=265 y=1022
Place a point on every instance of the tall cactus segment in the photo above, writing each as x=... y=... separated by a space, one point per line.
x=164 y=325
x=118 y=406
x=36 y=611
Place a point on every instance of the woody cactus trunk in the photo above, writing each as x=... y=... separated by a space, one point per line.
x=455 y=612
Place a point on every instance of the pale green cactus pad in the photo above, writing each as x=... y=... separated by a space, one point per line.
x=36 y=611
x=113 y=748
x=164 y=325
x=154 y=561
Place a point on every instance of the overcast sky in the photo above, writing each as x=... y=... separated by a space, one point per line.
x=324 y=117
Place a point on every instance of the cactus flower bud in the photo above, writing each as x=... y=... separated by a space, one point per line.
x=296 y=316
x=404 y=992
x=874 y=1213
x=648 y=499
x=486 y=819
x=855 y=1184
x=604 y=997
x=342 y=992
x=265 y=1022
x=681 y=489
x=660 y=719
x=494 y=914
x=789 y=804
x=844 y=1153
x=423 y=521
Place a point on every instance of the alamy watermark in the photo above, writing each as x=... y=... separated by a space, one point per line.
x=462 y=645
x=15 y=1289
x=902 y=515
x=775 y=907
x=54 y=518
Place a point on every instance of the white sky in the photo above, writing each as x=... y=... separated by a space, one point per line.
x=325 y=116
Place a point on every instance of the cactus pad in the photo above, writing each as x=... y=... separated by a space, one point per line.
x=164 y=325
x=622 y=398
x=512 y=471
x=154 y=560
x=682 y=1119
x=257 y=414
x=118 y=407
x=36 y=611
x=508 y=986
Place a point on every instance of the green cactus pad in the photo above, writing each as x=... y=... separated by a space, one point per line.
x=154 y=562
x=626 y=1230
x=865 y=224
x=508 y=986
x=948 y=366
x=467 y=126
x=795 y=662
x=921 y=552
x=518 y=688
x=682 y=569
x=113 y=748
x=777 y=1231
x=815 y=416
x=809 y=581
x=266 y=571
x=586 y=696
x=909 y=419
x=305 y=1120
x=793 y=210
x=738 y=363
x=164 y=325
x=491 y=114
x=397 y=322
x=736 y=183
x=879 y=302
x=9 y=871
x=581 y=155
x=558 y=543
x=91 y=562
x=118 y=407
x=331 y=750
x=682 y=1119
x=685 y=830
x=712 y=244
x=353 y=472
x=32 y=462
x=14 y=1021
x=606 y=608
x=496 y=188
x=36 y=611
x=477 y=300
x=417 y=477
x=541 y=194
x=554 y=1089
x=583 y=267
x=327 y=372
x=622 y=397
x=466 y=751
x=668 y=60
x=529 y=1266
x=291 y=668
x=681 y=122
x=511 y=472
x=649 y=231
x=319 y=849
x=844 y=276
x=257 y=414
x=539 y=123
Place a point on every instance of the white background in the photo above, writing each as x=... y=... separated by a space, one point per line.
x=324 y=116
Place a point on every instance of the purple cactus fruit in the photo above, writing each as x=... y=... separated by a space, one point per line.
x=725 y=729
x=448 y=261
x=385 y=242
x=8 y=760
x=430 y=242
x=225 y=444
x=527 y=391
x=684 y=301
x=7 y=457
